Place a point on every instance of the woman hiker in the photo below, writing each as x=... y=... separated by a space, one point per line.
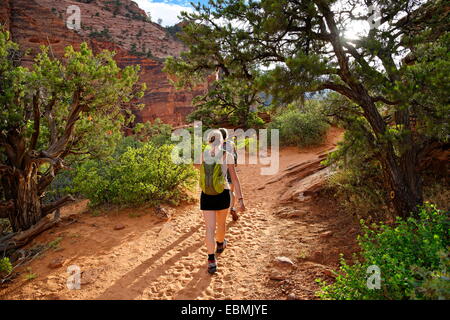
x=230 y=147
x=215 y=198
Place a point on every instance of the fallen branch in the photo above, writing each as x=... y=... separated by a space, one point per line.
x=21 y=238
x=49 y=208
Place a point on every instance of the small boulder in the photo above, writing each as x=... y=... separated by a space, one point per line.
x=161 y=212
x=277 y=277
x=56 y=263
x=119 y=227
x=88 y=277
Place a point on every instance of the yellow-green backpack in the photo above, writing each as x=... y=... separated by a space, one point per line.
x=212 y=179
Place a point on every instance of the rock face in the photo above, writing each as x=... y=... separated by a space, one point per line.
x=118 y=25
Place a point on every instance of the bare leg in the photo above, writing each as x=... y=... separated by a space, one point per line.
x=221 y=218
x=210 y=224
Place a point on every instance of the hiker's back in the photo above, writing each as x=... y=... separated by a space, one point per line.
x=213 y=172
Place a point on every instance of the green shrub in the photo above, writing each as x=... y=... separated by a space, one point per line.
x=357 y=182
x=359 y=192
x=300 y=128
x=399 y=251
x=158 y=132
x=5 y=266
x=145 y=174
x=433 y=284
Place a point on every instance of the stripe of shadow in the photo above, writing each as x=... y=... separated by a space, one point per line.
x=195 y=287
x=124 y=282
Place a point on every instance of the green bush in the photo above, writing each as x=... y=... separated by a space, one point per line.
x=300 y=128
x=145 y=174
x=433 y=284
x=158 y=132
x=359 y=191
x=5 y=266
x=399 y=251
x=357 y=181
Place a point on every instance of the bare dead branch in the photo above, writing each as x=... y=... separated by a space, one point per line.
x=49 y=208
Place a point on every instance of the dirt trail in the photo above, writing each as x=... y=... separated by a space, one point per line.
x=152 y=258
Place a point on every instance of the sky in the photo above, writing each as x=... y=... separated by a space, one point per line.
x=167 y=10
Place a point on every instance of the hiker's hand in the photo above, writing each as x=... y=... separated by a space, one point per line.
x=241 y=205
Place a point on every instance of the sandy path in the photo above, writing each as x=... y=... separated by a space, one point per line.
x=155 y=259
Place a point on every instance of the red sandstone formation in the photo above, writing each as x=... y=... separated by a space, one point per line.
x=118 y=25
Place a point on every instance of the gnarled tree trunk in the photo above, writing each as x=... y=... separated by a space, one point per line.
x=405 y=184
x=27 y=209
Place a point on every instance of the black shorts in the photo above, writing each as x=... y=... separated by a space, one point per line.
x=217 y=202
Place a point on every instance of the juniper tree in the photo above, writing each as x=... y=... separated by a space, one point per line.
x=52 y=110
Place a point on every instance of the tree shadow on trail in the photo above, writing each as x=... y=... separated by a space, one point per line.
x=201 y=280
x=133 y=283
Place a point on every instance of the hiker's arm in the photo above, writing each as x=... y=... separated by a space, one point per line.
x=235 y=180
x=237 y=184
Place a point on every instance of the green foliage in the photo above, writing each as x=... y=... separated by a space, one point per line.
x=30 y=275
x=61 y=186
x=359 y=191
x=173 y=30
x=5 y=266
x=300 y=127
x=54 y=244
x=399 y=251
x=103 y=87
x=428 y=85
x=158 y=133
x=101 y=34
x=228 y=100
x=433 y=284
x=145 y=174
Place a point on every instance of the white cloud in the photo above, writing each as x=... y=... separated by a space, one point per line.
x=168 y=12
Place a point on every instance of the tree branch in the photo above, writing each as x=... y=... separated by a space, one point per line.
x=342 y=89
x=37 y=119
x=58 y=147
x=386 y=101
x=49 y=208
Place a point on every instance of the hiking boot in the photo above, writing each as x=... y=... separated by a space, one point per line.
x=234 y=214
x=222 y=247
x=212 y=266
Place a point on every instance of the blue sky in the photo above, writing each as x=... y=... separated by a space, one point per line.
x=167 y=10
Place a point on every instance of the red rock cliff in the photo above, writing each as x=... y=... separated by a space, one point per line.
x=118 y=25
